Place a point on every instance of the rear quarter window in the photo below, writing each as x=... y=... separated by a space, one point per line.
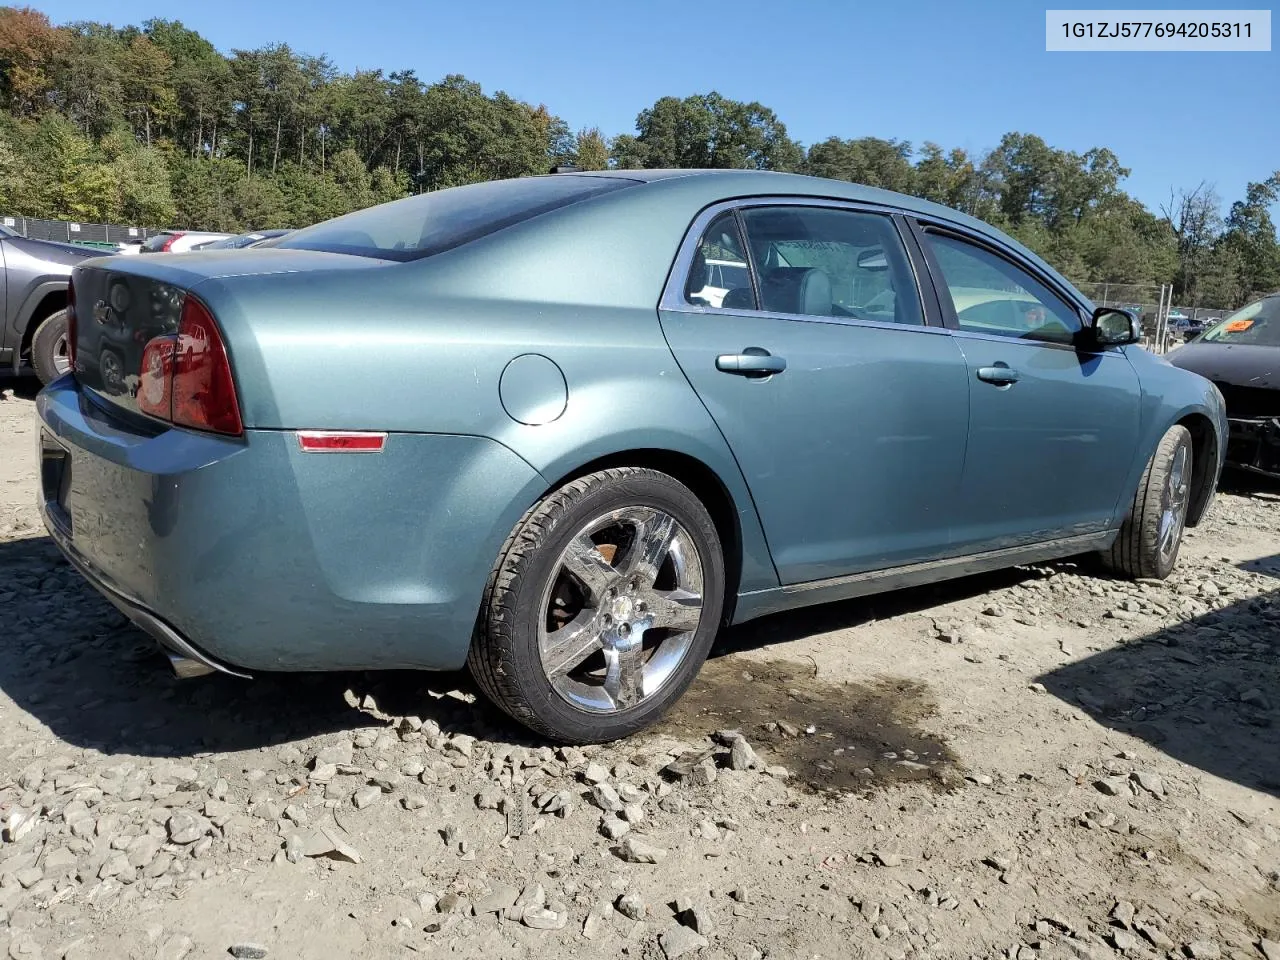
x=431 y=223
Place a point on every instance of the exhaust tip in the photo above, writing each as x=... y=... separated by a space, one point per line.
x=184 y=668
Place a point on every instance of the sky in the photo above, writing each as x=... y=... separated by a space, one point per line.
x=957 y=73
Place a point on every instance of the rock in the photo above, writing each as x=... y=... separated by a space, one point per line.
x=453 y=903
x=496 y=900
x=23 y=947
x=17 y=824
x=1148 y=782
x=366 y=796
x=414 y=801
x=323 y=773
x=542 y=918
x=632 y=906
x=29 y=877
x=489 y=797
x=742 y=756
x=1112 y=786
x=1203 y=950
x=1124 y=941
x=116 y=865
x=613 y=828
x=462 y=743
x=1154 y=936
x=688 y=764
x=606 y=798
x=186 y=827
x=1270 y=948
x=336 y=754
x=630 y=793
x=696 y=918
x=680 y=941
x=142 y=850
x=247 y=951
x=596 y=773
x=637 y=851
x=326 y=842
x=175 y=948
x=1123 y=913
x=597 y=921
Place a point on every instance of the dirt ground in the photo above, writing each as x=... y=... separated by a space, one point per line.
x=1041 y=763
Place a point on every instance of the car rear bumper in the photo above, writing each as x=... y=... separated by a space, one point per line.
x=1254 y=445
x=247 y=554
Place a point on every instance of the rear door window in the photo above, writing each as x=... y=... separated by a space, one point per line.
x=831 y=262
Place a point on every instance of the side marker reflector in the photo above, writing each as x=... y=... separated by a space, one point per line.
x=328 y=441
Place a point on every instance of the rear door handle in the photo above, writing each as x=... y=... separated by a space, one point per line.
x=752 y=362
x=1001 y=375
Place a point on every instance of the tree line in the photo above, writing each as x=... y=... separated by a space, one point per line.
x=152 y=125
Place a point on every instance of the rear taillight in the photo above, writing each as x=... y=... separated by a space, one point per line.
x=71 y=323
x=186 y=377
x=168 y=242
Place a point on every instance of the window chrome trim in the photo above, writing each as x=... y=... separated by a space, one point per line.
x=673 y=300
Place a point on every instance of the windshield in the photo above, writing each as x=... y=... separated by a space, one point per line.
x=1258 y=323
x=431 y=223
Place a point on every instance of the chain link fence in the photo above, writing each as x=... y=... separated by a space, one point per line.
x=1164 y=322
x=105 y=235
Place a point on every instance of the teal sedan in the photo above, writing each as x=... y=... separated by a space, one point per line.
x=564 y=429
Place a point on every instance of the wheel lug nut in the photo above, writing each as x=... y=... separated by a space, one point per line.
x=625 y=630
x=607 y=620
x=642 y=606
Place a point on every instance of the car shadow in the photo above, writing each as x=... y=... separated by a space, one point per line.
x=1205 y=691
x=81 y=669
x=23 y=388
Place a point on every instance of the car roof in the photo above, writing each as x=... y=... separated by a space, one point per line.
x=723 y=184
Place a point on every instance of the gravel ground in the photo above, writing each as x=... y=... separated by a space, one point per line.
x=1041 y=763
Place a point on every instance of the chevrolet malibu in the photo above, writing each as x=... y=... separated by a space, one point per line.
x=504 y=425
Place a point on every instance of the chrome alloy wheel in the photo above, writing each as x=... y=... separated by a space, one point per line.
x=620 y=610
x=1173 y=504
x=62 y=355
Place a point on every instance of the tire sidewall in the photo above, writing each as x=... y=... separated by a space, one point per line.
x=46 y=335
x=650 y=489
x=1173 y=441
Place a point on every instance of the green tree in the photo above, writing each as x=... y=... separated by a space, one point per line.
x=591 y=150
x=869 y=160
x=710 y=131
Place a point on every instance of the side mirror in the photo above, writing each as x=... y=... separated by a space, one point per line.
x=1112 y=327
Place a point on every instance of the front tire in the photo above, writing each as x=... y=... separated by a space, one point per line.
x=49 y=347
x=1151 y=536
x=602 y=606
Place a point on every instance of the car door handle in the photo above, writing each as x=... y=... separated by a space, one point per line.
x=752 y=362
x=1000 y=375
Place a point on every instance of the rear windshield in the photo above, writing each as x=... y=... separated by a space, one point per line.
x=1258 y=323
x=434 y=222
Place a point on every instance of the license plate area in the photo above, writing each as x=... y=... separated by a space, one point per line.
x=55 y=480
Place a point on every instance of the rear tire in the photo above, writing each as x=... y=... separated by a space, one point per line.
x=49 y=347
x=1151 y=536
x=602 y=606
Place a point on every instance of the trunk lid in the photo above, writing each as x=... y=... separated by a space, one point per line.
x=122 y=303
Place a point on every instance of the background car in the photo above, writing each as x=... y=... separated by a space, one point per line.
x=572 y=469
x=1241 y=355
x=33 y=334
x=179 y=241
x=243 y=240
